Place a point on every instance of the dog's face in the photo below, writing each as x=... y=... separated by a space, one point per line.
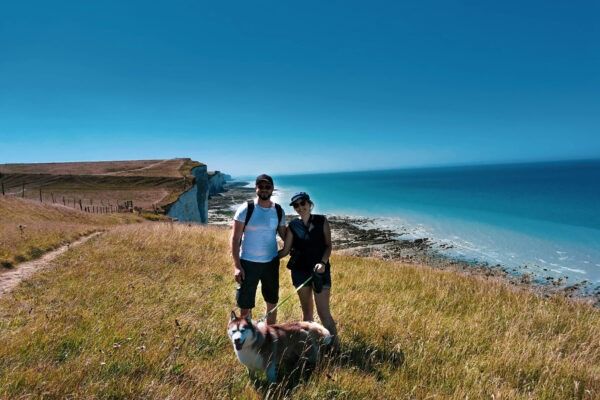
x=240 y=331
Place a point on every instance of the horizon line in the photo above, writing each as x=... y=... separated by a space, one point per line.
x=436 y=166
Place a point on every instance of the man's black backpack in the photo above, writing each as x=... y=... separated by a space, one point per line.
x=251 y=210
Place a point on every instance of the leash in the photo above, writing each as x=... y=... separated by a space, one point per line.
x=286 y=299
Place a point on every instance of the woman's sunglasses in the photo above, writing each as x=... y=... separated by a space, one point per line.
x=299 y=203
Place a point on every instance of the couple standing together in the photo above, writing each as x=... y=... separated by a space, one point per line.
x=256 y=256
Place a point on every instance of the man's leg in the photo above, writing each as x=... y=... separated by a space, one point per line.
x=270 y=289
x=246 y=292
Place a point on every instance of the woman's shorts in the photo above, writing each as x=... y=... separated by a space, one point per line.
x=300 y=276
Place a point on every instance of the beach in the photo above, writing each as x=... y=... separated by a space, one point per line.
x=364 y=237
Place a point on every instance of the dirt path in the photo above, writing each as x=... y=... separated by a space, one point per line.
x=11 y=278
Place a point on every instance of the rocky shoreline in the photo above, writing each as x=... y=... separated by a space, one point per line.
x=361 y=237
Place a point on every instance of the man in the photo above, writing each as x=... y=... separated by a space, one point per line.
x=254 y=249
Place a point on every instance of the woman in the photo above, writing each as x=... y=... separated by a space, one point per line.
x=309 y=240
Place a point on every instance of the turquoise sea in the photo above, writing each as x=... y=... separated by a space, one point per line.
x=539 y=218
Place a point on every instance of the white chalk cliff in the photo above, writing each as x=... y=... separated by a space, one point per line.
x=192 y=205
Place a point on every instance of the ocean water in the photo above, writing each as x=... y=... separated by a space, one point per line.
x=539 y=218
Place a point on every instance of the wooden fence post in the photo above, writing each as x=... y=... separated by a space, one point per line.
x=3 y=189
x=52 y=195
x=64 y=204
x=41 y=201
x=80 y=205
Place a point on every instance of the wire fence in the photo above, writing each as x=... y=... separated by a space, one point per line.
x=89 y=205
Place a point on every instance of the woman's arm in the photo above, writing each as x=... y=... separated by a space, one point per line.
x=320 y=267
x=287 y=244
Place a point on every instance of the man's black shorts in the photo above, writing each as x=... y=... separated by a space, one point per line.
x=268 y=275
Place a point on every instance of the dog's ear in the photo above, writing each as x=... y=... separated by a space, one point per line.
x=233 y=316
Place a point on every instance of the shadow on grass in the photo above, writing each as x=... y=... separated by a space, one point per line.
x=356 y=352
x=367 y=357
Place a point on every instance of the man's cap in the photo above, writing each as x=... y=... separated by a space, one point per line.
x=264 y=178
x=299 y=196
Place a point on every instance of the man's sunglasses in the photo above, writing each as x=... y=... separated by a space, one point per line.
x=265 y=187
x=299 y=203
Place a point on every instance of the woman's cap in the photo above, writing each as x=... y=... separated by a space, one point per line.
x=299 y=196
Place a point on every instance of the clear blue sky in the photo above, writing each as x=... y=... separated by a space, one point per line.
x=281 y=86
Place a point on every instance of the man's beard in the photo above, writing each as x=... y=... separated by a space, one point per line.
x=264 y=196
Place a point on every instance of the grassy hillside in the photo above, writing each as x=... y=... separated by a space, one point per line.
x=30 y=228
x=141 y=311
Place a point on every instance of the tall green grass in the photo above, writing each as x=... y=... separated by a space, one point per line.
x=141 y=312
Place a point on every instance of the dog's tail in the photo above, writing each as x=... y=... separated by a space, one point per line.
x=328 y=340
x=326 y=337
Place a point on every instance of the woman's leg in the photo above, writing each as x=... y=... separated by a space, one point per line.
x=306 y=301
x=322 y=302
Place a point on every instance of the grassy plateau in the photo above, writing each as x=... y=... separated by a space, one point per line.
x=141 y=312
x=28 y=228
x=148 y=183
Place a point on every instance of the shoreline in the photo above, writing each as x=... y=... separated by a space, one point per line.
x=359 y=236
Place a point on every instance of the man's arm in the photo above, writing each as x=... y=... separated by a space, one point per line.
x=281 y=230
x=236 y=237
x=287 y=244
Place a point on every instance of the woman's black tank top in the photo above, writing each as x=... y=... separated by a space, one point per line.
x=309 y=241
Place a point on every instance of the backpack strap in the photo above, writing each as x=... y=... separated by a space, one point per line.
x=249 y=212
x=279 y=214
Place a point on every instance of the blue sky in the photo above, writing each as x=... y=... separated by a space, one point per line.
x=287 y=87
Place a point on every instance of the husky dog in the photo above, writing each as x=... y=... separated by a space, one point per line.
x=269 y=348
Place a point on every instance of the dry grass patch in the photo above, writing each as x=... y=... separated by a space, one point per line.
x=29 y=228
x=141 y=313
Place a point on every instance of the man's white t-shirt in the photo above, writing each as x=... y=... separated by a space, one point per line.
x=259 y=241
